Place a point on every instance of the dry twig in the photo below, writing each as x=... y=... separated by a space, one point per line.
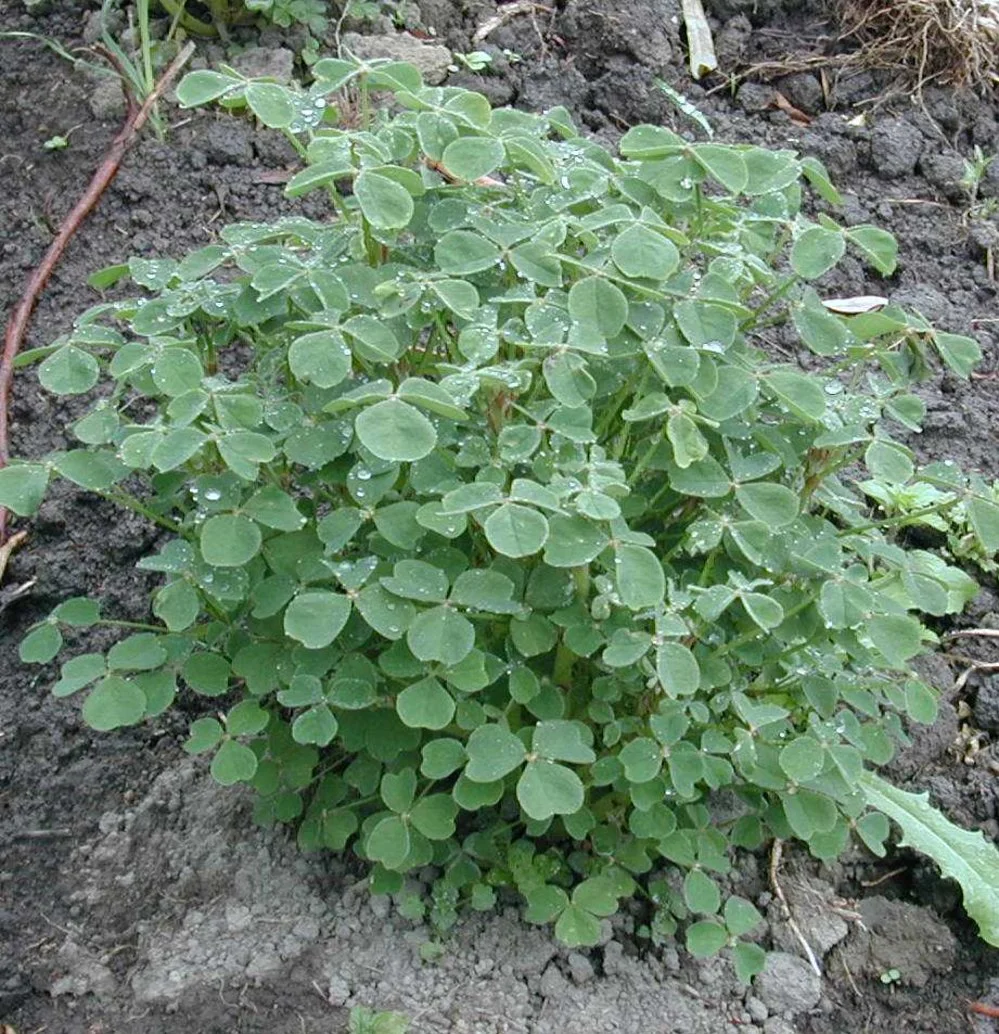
x=776 y=853
x=106 y=172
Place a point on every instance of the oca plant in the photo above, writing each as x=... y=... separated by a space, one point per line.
x=494 y=540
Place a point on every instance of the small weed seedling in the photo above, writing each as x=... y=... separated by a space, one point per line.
x=370 y=1021
x=496 y=544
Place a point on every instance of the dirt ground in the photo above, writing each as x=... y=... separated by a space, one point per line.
x=137 y=897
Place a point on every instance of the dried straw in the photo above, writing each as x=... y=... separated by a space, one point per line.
x=954 y=42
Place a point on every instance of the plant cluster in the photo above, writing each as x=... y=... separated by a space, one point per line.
x=494 y=540
x=221 y=14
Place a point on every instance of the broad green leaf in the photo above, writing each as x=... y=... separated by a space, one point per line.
x=706 y=938
x=802 y=759
x=385 y=204
x=69 y=371
x=897 y=636
x=689 y=445
x=442 y=757
x=515 y=530
x=677 y=668
x=139 y=652
x=983 y=515
x=229 y=540
x=641 y=582
x=701 y=893
x=774 y=505
x=22 y=487
x=202 y=86
x=274 y=509
x=961 y=354
x=546 y=789
x=878 y=246
x=493 y=752
x=113 y=703
x=272 y=104
x=965 y=857
x=578 y=928
x=724 y=164
x=798 y=393
x=560 y=740
x=598 y=306
x=425 y=705
x=434 y=816
x=78 y=672
x=316 y=725
x=441 y=635
x=705 y=323
x=573 y=541
x=41 y=644
x=741 y=916
x=641 y=252
x=462 y=252
x=177 y=605
x=315 y=619
x=816 y=251
x=889 y=461
x=434 y=397
x=321 y=358
x=472 y=157
x=393 y=430
x=204 y=734
x=233 y=763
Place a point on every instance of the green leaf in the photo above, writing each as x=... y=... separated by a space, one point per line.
x=205 y=734
x=207 y=673
x=560 y=740
x=961 y=354
x=963 y=856
x=677 y=668
x=78 y=611
x=40 y=645
x=388 y=842
x=202 y=86
x=315 y=619
x=723 y=163
x=177 y=605
x=317 y=725
x=544 y=903
x=774 y=505
x=385 y=204
x=493 y=752
x=78 y=672
x=749 y=959
x=274 y=509
x=472 y=157
x=983 y=515
x=889 y=461
x=898 y=637
x=641 y=252
x=462 y=252
x=689 y=445
x=434 y=816
x=573 y=541
x=22 y=487
x=69 y=371
x=442 y=757
x=598 y=306
x=798 y=393
x=706 y=938
x=578 y=928
x=113 y=703
x=247 y=718
x=229 y=540
x=920 y=702
x=704 y=323
x=802 y=759
x=321 y=358
x=272 y=104
x=233 y=763
x=816 y=251
x=515 y=530
x=641 y=582
x=741 y=916
x=701 y=893
x=878 y=246
x=441 y=635
x=425 y=705
x=546 y=789
x=137 y=653
x=393 y=430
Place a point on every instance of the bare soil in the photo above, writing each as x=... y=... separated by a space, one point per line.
x=136 y=897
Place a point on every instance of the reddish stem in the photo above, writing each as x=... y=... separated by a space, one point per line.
x=984 y=1010
x=17 y=327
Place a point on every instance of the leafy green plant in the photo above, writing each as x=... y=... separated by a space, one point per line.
x=370 y=1021
x=495 y=541
x=225 y=13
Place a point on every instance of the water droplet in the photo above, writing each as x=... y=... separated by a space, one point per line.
x=213 y=495
x=833 y=387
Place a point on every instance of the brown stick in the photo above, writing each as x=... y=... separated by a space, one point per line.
x=106 y=172
x=984 y=1010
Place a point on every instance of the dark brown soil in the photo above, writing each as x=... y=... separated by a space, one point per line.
x=66 y=792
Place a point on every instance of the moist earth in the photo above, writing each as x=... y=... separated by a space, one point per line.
x=137 y=896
